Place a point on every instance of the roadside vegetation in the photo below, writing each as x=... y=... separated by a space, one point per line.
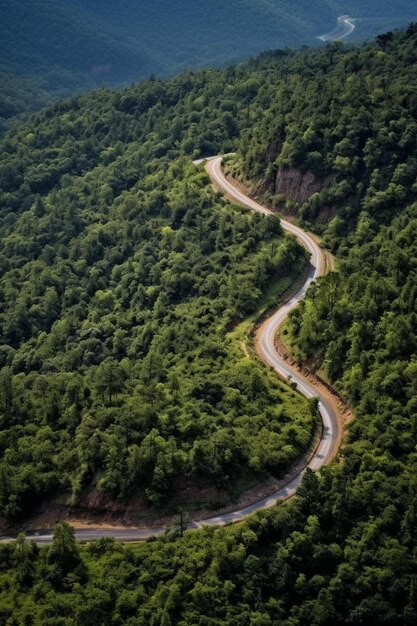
x=122 y=277
x=344 y=550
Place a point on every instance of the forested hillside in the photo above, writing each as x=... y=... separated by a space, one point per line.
x=76 y=45
x=50 y=50
x=337 y=129
x=18 y=96
x=355 y=134
x=121 y=277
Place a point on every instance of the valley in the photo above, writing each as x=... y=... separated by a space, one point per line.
x=50 y=51
x=128 y=290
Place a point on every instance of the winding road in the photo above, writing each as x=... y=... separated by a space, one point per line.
x=345 y=27
x=331 y=431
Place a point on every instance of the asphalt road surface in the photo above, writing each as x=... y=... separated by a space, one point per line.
x=345 y=27
x=330 y=435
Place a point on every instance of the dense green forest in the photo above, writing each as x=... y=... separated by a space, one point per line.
x=64 y=47
x=121 y=277
x=344 y=550
x=18 y=96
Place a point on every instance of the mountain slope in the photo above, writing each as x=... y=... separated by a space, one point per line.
x=215 y=32
x=121 y=279
x=344 y=550
x=63 y=43
x=218 y=32
x=73 y=45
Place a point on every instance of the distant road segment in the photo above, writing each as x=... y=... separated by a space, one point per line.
x=345 y=27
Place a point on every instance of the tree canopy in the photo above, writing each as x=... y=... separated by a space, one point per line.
x=86 y=185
